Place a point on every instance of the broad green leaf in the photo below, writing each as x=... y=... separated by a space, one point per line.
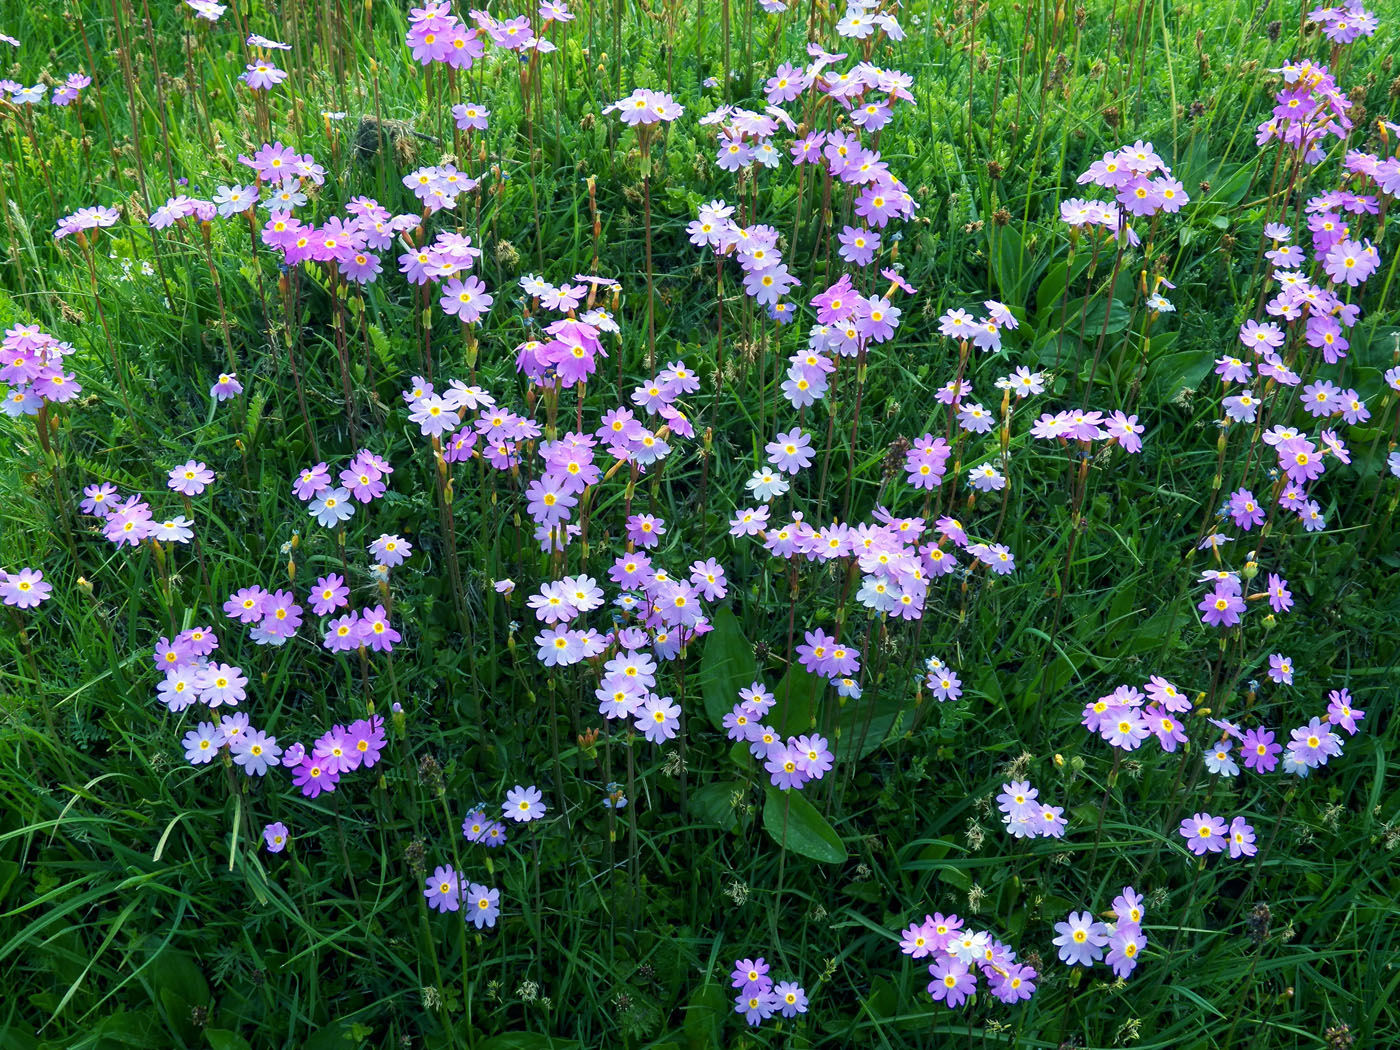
x=794 y=822
x=726 y=665
x=223 y=1039
x=526 y=1041
x=863 y=724
x=707 y=1008
x=712 y=804
x=796 y=705
x=1118 y=316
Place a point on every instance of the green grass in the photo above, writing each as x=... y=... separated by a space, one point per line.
x=136 y=905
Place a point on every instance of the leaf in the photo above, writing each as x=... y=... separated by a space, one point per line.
x=1052 y=286
x=1048 y=294
x=8 y=870
x=711 y=804
x=796 y=705
x=526 y=1041
x=862 y=726
x=806 y=831
x=1011 y=264
x=180 y=973
x=726 y=665
x=1118 y=317
x=707 y=1007
x=223 y=1039
x=883 y=1000
x=1231 y=189
x=1171 y=373
x=177 y=1015
x=335 y=1036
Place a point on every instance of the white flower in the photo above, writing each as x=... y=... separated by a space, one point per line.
x=765 y=484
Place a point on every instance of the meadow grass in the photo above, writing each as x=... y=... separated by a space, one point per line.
x=138 y=905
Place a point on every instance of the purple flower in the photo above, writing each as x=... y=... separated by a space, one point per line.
x=202 y=743
x=658 y=719
x=750 y=975
x=1222 y=607
x=1123 y=947
x=524 y=804
x=281 y=614
x=471 y=117
x=483 y=905
x=1015 y=984
x=343 y=634
x=1280 y=669
x=783 y=767
x=1245 y=510
x=858 y=245
x=466 y=300
x=25 y=589
x=1313 y=744
x=390 y=551
x=376 y=630
x=222 y=684
x=1340 y=711
x=1203 y=833
x=791 y=452
x=331 y=507
x=254 y=751
x=227 y=386
x=1241 y=839
x=275 y=836
x=944 y=684
x=442 y=889
x=757 y=1005
x=645 y=530
x=329 y=594
x=1259 y=751
x=262 y=75
x=814 y=756
x=952 y=982
x=1081 y=938
x=366 y=740
x=191 y=478
x=311 y=482
x=791 y=998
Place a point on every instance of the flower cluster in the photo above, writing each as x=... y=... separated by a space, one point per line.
x=1207 y=834
x=1125 y=717
x=759 y=998
x=435 y=34
x=644 y=107
x=340 y=750
x=362 y=480
x=65 y=92
x=1026 y=818
x=129 y=522
x=1344 y=23
x=1082 y=939
x=791 y=763
x=31 y=366
x=960 y=954
x=1142 y=187
x=84 y=221
x=447 y=891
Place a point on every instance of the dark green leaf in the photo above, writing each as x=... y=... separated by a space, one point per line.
x=793 y=821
